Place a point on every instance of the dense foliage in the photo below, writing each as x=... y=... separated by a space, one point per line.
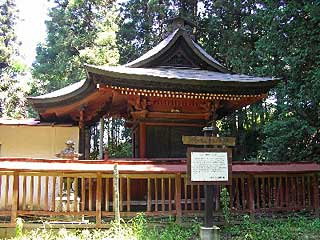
x=294 y=132
x=270 y=38
x=282 y=229
x=12 y=91
x=7 y=34
x=78 y=32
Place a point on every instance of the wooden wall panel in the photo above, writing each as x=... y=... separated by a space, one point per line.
x=166 y=141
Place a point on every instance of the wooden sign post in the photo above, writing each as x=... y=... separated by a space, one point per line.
x=209 y=167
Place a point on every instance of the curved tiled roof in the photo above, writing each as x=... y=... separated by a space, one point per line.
x=165 y=46
x=181 y=79
x=186 y=74
x=67 y=94
x=61 y=92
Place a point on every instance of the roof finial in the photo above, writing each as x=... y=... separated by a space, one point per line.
x=180 y=22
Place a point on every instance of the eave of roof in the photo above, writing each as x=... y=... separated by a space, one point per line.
x=61 y=92
x=181 y=79
x=161 y=78
x=68 y=93
x=173 y=74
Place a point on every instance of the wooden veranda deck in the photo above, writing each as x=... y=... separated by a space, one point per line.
x=34 y=187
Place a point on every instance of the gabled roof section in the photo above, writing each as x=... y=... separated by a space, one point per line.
x=178 y=50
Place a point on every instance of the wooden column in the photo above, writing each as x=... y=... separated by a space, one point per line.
x=316 y=194
x=81 y=143
x=86 y=142
x=209 y=190
x=178 y=197
x=209 y=195
x=142 y=139
x=128 y=195
x=149 y=199
x=133 y=145
x=15 y=197
x=116 y=194
x=81 y=135
x=101 y=150
x=98 y=199
x=251 y=195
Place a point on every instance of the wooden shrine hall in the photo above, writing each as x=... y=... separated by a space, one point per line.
x=173 y=90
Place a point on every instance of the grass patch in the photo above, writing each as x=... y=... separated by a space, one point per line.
x=138 y=228
x=135 y=229
x=280 y=229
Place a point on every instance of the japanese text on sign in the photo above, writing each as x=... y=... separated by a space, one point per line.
x=209 y=166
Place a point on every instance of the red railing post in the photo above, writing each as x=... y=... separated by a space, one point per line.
x=15 y=196
x=251 y=195
x=98 y=199
x=316 y=194
x=178 y=197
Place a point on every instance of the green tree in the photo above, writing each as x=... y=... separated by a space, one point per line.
x=12 y=92
x=7 y=34
x=292 y=41
x=74 y=32
x=104 y=50
x=137 y=33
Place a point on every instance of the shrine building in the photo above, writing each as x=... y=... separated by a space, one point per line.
x=174 y=89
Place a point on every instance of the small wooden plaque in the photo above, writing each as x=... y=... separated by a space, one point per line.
x=209 y=166
x=204 y=140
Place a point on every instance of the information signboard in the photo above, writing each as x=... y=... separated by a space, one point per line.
x=209 y=166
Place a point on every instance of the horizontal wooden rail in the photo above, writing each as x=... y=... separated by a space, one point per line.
x=75 y=194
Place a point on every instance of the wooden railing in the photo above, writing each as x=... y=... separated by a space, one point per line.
x=69 y=191
x=267 y=193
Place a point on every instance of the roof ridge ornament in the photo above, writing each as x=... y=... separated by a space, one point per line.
x=180 y=22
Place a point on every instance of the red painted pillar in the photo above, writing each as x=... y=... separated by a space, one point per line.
x=316 y=194
x=251 y=195
x=142 y=139
x=82 y=135
x=178 y=197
